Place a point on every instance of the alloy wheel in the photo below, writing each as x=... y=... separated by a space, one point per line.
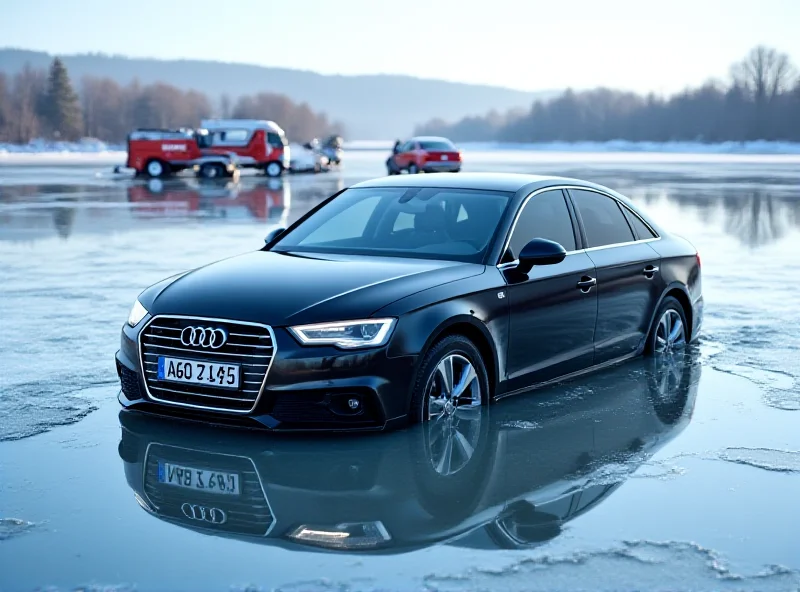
x=454 y=414
x=670 y=333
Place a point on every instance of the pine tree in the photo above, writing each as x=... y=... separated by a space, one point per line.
x=61 y=108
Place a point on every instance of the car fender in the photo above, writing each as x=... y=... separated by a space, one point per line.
x=482 y=312
x=669 y=288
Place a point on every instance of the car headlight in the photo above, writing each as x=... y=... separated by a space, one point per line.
x=345 y=334
x=138 y=312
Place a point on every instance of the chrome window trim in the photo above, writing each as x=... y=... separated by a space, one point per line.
x=255 y=468
x=209 y=319
x=536 y=192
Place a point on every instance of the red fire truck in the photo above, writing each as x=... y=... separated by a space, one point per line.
x=217 y=149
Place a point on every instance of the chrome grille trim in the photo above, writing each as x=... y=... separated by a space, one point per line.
x=247 y=368
x=252 y=462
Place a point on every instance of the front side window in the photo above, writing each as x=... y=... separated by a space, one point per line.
x=276 y=140
x=429 y=223
x=602 y=218
x=544 y=216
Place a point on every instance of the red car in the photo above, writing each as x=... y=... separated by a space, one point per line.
x=428 y=154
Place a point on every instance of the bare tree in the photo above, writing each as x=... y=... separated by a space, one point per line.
x=29 y=90
x=765 y=73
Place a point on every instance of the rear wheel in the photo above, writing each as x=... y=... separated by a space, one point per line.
x=413 y=169
x=273 y=169
x=156 y=169
x=213 y=170
x=670 y=331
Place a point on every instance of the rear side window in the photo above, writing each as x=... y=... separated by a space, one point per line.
x=642 y=230
x=545 y=216
x=603 y=220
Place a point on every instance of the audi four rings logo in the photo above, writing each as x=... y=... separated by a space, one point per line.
x=203 y=514
x=203 y=337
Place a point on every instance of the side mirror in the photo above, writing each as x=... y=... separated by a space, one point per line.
x=540 y=251
x=273 y=234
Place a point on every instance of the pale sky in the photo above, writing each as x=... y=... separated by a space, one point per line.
x=641 y=45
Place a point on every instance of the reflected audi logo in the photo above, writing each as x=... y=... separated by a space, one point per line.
x=204 y=337
x=204 y=514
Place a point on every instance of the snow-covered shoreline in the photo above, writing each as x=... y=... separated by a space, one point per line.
x=94 y=152
x=92 y=146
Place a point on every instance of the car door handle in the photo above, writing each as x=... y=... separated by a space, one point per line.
x=586 y=283
x=650 y=271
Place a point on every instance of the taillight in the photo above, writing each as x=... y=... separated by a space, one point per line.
x=698 y=260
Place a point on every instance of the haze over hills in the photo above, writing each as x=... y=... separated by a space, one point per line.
x=370 y=106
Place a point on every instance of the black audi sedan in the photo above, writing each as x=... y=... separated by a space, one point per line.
x=404 y=298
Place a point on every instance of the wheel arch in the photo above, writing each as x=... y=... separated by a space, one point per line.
x=474 y=330
x=678 y=291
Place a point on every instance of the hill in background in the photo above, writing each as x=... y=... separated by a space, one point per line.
x=371 y=107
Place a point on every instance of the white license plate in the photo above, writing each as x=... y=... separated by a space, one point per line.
x=198 y=479
x=198 y=372
x=444 y=156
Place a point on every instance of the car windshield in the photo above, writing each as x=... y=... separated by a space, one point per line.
x=429 y=223
x=437 y=145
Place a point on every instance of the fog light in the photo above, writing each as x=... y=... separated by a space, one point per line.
x=353 y=404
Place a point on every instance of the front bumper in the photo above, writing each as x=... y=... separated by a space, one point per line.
x=307 y=388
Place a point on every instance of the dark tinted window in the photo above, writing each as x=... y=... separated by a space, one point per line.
x=274 y=139
x=545 y=216
x=603 y=221
x=432 y=223
x=642 y=230
x=437 y=145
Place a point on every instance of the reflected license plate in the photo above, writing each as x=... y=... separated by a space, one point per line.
x=444 y=156
x=196 y=372
x=198 y=479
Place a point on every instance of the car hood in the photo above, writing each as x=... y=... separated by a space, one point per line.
x=291 y=288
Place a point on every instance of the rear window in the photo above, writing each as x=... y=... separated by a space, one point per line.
x=437 y=145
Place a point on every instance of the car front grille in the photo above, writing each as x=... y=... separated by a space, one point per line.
x=248 y=344
x=248 y=513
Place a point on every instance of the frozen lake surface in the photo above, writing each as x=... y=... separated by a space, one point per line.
x=651 y=476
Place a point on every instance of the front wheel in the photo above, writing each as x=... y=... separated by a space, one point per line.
x=670 y=331
x=413 y=169
x=452 y=383
x=273 y=169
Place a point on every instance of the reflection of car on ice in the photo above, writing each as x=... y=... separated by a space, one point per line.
x=264 y=199
x=508 y=476
x=217 y=149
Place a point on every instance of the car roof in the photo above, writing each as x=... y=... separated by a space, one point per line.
x=482 y=181
x=430 y=139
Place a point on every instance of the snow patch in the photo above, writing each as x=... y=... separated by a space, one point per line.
x=633 y=565
x=782 y=461
x=11 y=527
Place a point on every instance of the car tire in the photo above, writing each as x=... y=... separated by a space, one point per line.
x=273 y=169
x=663 y=336
x=156 y=169
x=413 y=169
x=427 y=387
x=213 y=170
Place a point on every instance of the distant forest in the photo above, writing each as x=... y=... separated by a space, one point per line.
x=45 y=104
x=761 y=101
